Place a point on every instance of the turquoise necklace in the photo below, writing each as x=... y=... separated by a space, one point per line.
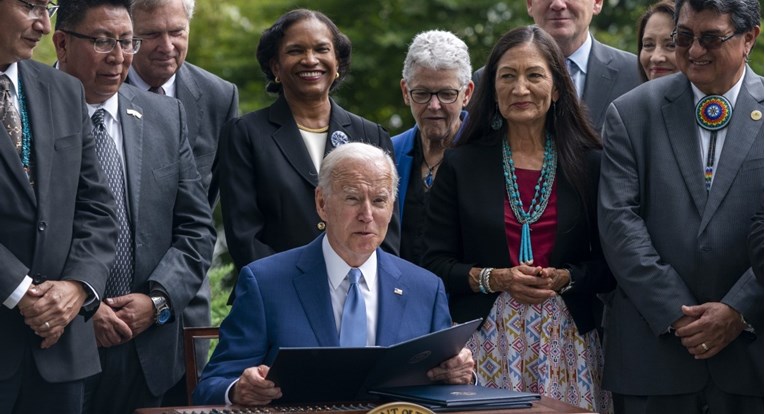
x=542 y=191
x=26 y=135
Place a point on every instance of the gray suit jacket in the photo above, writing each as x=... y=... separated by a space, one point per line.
x=610 y=74
x=669 y=243
x=171 y=220
x=63 y=229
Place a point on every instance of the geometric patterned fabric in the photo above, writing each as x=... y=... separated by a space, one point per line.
x=121 y=273
x=536 y=348
x=9 y=116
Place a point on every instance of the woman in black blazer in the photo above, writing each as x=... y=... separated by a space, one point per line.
x=270 y=158
x=525 y=130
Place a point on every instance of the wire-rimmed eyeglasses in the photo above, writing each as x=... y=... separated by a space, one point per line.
x=707 y=41
x=445 y=96
x=106 y=44
x=38 y=11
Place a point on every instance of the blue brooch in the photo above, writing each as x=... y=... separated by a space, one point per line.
x=338 y=138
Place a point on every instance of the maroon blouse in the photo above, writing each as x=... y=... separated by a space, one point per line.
x=542 y=231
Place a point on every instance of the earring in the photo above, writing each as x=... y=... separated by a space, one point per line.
x=337 y=75
x=277 y=80
x=496 y=120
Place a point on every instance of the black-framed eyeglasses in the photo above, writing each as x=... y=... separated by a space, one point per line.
x=38 y=11
x=107 y=44
x=445 y=96
x=707 y=41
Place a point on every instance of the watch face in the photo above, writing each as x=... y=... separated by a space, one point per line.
x=164 y=316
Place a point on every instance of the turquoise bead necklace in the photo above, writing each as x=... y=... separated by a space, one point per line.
x=26 y=135
x=542 y=191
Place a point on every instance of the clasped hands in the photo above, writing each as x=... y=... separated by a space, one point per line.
x=122 y=318
x=706 y=329
x=529 y=284
x=49 y=307
x=253 y=388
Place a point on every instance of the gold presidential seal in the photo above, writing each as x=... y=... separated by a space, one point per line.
x=399 y=407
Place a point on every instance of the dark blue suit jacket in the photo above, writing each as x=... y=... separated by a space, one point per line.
x=284 y=301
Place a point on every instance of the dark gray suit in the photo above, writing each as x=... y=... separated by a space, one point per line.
x=63 y=229
x=171 y=223
x=610 y=74
x=209 y=102
x=669 y=243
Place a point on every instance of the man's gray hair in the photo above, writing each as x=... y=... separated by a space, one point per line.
x=188 y=5
x=438 y=50
x=356 y=151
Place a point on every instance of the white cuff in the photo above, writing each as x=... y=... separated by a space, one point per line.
x=228 y=401
x=18 y=293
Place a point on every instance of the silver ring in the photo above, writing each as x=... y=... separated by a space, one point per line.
x=704 y=347
x=47 y=325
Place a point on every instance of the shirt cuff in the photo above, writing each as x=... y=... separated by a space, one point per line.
x=18 y=293
x=228 y=401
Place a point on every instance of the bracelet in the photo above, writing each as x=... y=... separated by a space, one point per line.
x=484 y=277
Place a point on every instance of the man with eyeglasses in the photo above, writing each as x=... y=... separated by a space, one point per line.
x=436 y=86
x=160 y=66
x=681 y=176
x=165 y=234
x=57 y=226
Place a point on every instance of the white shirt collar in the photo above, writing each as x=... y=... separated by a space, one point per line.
x=13 y=74
x=141 y=84
x=581 y=56
x=731 y=95
x=111 y=106
x=337 y=269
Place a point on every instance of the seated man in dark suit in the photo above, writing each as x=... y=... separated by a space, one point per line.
x=297 y=298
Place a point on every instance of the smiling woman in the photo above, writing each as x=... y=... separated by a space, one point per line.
x=271 y=158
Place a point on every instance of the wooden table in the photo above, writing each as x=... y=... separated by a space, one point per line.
x=545 y=405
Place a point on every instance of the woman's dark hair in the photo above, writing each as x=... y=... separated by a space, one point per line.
x=666 y=7
x=567 y=120
x=270 y=40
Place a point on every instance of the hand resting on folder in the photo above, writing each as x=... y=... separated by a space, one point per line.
x=254 y=389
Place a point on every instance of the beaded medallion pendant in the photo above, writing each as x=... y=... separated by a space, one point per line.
x=713 y=113
x=542 y=191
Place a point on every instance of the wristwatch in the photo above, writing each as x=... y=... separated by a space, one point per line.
x=161 y=310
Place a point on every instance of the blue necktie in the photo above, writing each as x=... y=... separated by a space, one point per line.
x=353 y=325
x=121 y=274
x=573 y=71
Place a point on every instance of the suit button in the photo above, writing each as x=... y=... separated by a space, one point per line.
x=321 y=226
x=42 y=226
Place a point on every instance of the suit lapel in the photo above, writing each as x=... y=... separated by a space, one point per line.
x=393 y=295
x=600 y=77
x=132 y=139
x=40 y=113
x=311 y=287
x=288 y=139
x=187 y=91
x=739 y=139
x=339 y=126
x=678 y=119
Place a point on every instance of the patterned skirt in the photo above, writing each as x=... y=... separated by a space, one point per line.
x=536 y=348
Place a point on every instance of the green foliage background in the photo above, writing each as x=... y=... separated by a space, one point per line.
x=225 y=33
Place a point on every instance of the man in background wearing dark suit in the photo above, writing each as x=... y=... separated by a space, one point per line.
x=165 y=240
x=57 y=224
x=600 y=73
x=209 y=101
x=681 y=176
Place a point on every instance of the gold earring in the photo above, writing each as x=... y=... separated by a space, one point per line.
x=277 y=80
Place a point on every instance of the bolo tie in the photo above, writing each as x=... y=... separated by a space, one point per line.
x=713 y=113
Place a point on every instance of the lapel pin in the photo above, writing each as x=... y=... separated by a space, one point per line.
x=338 y=138
x=756 y=115
x=398 y=291
x=134 y=113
